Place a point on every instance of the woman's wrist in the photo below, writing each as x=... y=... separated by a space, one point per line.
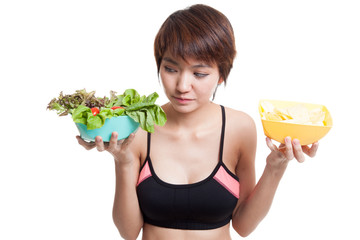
x=125 y=173
x=277 y=170
x=121 y=165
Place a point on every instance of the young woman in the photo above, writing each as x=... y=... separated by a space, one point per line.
x=192 y=176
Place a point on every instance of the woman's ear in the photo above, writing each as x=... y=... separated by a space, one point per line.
x=221 y=80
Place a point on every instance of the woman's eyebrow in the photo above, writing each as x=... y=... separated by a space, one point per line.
x=201 y=65
x=167 y=59
x=170 y=61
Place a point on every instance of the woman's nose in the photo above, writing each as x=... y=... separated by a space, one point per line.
x=184 y=83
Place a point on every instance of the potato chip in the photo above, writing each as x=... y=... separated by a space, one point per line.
x=267 y=106
x=317 y=116
x=272 y=116
x=283 y=113
x=298 y=114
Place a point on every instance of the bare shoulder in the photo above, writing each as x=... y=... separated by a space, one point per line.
x=139 y=145
x=240 y=122
x=241 y=134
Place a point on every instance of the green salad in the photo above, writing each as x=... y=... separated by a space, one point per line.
x=92 y=111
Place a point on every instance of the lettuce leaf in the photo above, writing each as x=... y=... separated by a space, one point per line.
x=141 y=109
x=147 y=113
x=94 y=122
x=80 y=114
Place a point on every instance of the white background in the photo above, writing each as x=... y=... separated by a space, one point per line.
x=50 y=188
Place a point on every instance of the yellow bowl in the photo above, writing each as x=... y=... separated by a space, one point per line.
x=307 y=134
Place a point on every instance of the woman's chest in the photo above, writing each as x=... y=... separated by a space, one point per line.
x=189 y=159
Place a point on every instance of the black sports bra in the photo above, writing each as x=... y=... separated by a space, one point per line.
x=207 y=204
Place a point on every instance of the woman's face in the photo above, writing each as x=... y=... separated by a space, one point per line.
x=188 y=84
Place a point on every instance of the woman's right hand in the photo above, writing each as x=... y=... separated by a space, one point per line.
x=118 y=149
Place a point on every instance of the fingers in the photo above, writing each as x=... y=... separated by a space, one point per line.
x=270 y=144
x=288 y=150
x=128 y=141
x=298 y=152
x=311 y=152
x=284 y=150
x=112 y=146
x=86 y=145
x=113 y=142
x=291 y=149
x=99 y=144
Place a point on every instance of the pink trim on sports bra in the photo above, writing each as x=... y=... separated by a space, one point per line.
x=227 y=181
x=145 y=173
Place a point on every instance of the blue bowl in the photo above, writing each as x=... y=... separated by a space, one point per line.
x=123 y=125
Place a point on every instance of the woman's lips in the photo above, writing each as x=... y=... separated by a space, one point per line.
x=183 y=100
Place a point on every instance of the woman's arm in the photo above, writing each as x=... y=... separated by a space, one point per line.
x=255 y=201
x=254 y=208
x=126 y=211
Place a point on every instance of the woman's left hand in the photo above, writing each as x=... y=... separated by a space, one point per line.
x=281 y=155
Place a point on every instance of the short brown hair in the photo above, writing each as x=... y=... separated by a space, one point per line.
x=200 y=32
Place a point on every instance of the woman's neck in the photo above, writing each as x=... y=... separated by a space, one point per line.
x=197 y=119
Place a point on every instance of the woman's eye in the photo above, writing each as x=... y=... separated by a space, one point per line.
x=169 y=69
x=200 y=75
